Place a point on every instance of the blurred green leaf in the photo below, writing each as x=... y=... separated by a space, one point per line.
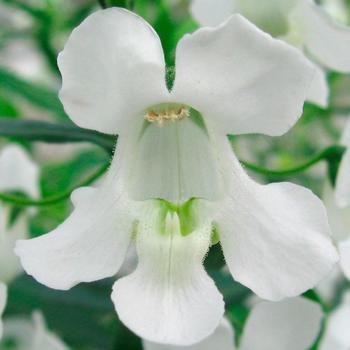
x=7 y=108
x=34 y=93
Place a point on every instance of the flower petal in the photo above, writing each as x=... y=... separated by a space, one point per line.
x=275 y=238
x=246 y=80
x=291 y=324
x=211 y=13
x=221 y=339
x=337 y=335
x=175 y=162
x=319 y=90
x=342 y=184
x=183 y=304
x=326 y=40
x=112 y=69
x=90 y=245
x=14 y=160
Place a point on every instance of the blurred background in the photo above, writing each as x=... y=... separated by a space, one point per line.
x=32 y=32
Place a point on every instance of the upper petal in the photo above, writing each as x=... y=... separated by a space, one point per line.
x=291 y=324
x=221 y=339
x=244 y=79
x=18 y=172
x=112 y=69
x=90 y=245
x=276 y=237
x=183 y=305
x=326 y=40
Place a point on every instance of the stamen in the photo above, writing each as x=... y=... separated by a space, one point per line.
x=173 y=114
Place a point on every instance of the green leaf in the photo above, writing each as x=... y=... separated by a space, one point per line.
x=34 y=93
x=7 y=108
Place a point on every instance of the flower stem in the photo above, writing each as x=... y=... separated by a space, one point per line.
x=328 y=154
x=22 y=201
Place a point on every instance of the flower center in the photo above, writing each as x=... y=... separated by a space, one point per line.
x=167 y=112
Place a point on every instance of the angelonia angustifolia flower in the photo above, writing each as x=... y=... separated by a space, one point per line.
x=175 y=186
x=301 y=23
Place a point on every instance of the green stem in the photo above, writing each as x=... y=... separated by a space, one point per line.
x=33 y=130
x=327 y=154
x=13 y=199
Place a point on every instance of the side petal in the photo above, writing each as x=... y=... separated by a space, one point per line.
x=291 y=324
x=112 y=69
x=319 y=90
x=90 y=245
x=18 y=172
x=276 y=237
x=337 y=336
x=342 y=184
x=242 y=77
x=221 y=339
x=183 y=304
x=326 y=40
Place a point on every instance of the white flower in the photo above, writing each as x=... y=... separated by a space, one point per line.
x=30 y=334
x=17 y=173
x=174 y=182
x=337 y=202
x=301 y=23
x=337 y=335
x=3 y=300
x=291 y=324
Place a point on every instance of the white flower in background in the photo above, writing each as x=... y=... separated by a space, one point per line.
x=301 y=23
x=174 y=177
x=23 y=334
x=17 y=173
x=291 y=324
x=337 y=335
x=3 y=300
x=337 y=202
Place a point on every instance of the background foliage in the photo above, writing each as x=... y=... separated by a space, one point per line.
x=32 y=32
